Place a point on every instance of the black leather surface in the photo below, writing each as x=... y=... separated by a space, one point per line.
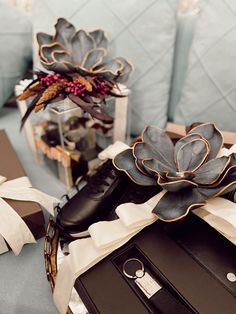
x=207 y=246
x=167 y=300
x=98 y=199
x=165 y=303
x=93 y=201
x=169 y=251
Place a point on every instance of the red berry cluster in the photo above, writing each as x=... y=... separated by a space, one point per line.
x=76 y=88
x=51 y=78
x=103 y=88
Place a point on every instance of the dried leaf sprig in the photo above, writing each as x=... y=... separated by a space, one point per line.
x=81 y=90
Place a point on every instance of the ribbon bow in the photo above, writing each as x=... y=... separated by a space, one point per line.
x=12 y=227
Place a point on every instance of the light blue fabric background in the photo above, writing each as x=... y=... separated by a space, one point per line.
x=15 y=48
x=184 y=37
x=209 y=90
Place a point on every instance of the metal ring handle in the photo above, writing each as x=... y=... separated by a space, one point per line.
x=131 y=260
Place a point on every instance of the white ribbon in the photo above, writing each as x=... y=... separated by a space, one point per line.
x=227 y=151
x=220 y=213
x=112 y=150
x=12 y=227
x=105 y=237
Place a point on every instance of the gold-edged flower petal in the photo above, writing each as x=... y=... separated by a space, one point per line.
x=144 y=150
x=93 y=58
x=174 y=206
x=107 y=74
x=124 y=161
x=192 y=155
x=213 y=136
x=176 y=184
x=45 y=51
x=99 y=38
x=154 y=166
x=81 y=43
x=110 y=69
x=211 y=171
x=44 y=39
x=61 y=56
x=184 y=140
x=231 y=169
x=58 y=67
x=160 y=141
x=64 y=32
x=126 y=71
x=227 y=185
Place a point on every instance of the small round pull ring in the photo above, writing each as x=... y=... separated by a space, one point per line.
x=138 y=273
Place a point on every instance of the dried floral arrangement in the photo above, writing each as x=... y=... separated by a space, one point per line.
x=79 y=69
x=189 y=172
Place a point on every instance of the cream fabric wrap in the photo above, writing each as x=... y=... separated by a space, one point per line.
x=121 y=126
x=105 y=237
x=12 y=227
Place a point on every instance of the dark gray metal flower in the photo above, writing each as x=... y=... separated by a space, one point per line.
x=190 y=171
x=81 y=52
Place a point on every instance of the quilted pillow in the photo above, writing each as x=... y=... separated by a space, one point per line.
x=15 y=48
x=209 y=91
x=142 y=31
x=186 y=19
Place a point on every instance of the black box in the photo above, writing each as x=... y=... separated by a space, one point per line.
x=189 y=258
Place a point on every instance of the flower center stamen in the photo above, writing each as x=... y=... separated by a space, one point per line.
x=180 y=174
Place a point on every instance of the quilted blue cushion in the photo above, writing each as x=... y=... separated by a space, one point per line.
x=209 y=91
x=15 y=48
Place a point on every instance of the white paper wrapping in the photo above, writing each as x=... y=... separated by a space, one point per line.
x=12 y=227
x=3 y=245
